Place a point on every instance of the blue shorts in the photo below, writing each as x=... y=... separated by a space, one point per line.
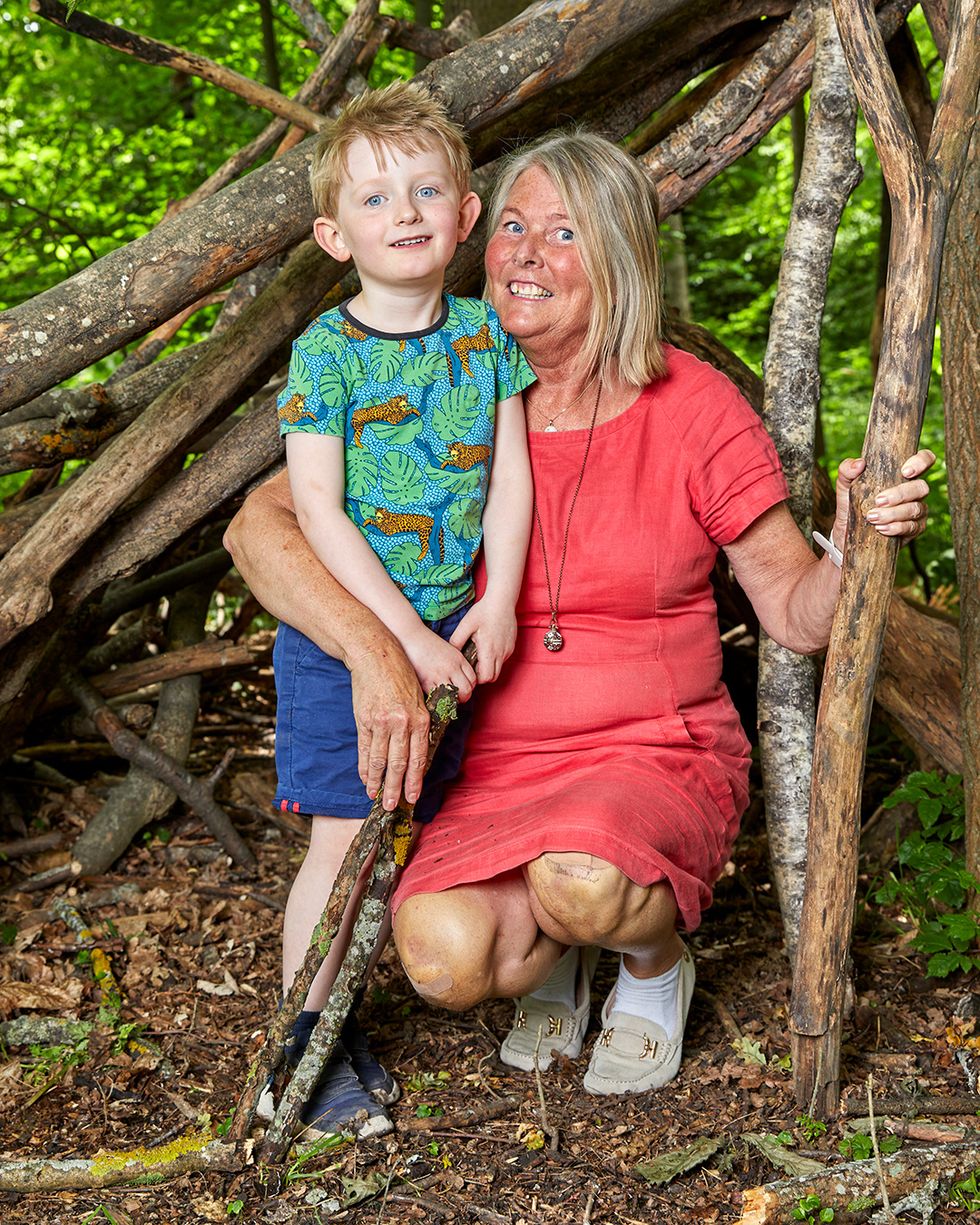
x=316 y=737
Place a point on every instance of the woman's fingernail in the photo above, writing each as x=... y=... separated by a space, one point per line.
x=873 y=516
x=907 y=470
x=880 y=500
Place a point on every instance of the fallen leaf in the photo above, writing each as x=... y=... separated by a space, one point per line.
x=228 y=987
x=666 y=1168
x=36 y=995
x=781 y=1157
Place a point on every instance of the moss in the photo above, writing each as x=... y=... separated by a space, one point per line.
x=163 y=1154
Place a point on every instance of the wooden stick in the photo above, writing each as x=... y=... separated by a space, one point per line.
x=920 y=191
x=390 y=833
x=129 y=746
x=151 y=51
x=786 y=688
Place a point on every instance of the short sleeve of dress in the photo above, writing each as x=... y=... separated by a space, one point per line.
x=513 y=371
x=734 y=471
x=315 y=396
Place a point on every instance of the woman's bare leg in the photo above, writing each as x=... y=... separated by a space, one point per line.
x=577 y=898
x=474 y=942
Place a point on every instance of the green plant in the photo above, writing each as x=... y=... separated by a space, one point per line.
x=966 y=1193
x=427 y=1080
x=46 y=1065
x=428 y=1111
x=101 y=1213
x=810 y=1210
x=932 y=884
x=811 y=1128
x=856 y=1146
x=224 y=1127
x=235 y=1207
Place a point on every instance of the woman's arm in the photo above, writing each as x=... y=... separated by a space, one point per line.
x=792 y=591
x=284 y=575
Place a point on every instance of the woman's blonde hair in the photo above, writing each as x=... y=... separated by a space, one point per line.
x=401 y=116
x=612 y=209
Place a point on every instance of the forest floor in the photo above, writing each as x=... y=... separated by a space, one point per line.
x=194 y=945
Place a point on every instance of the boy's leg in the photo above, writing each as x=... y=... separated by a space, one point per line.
x=330 y=838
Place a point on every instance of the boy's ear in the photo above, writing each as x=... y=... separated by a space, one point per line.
x=470 y=208
x=327 y=235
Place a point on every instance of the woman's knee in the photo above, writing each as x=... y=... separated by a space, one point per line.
x=445 y=950
x=594 y=902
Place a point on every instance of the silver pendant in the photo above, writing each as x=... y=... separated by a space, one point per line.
x=550 y=428
x=553 y=639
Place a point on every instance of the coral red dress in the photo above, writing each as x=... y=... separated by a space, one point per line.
x=625 y=743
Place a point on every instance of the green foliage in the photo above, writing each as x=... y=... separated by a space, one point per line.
x=856 y=1146
x=966 y=1193
x=45 y=1066
x=932 y=884
x=810 y=1210
x=811 y=1128
x=235 y=1207
x=423 y=1081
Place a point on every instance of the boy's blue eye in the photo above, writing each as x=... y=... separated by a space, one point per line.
x=427 y=193
x=374 y=201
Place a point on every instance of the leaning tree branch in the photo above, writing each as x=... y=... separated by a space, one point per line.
x=261 y=331
x=161 y=765
x=151 y=51
x=741 y=127
x=920 y=206
x=786 y=706
x=135 y=288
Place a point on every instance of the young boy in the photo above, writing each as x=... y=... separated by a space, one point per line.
x=405 y=445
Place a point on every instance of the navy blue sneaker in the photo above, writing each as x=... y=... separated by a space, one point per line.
x=339 y=1102
x=378 y=1081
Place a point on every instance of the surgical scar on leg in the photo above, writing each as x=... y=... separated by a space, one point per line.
x=581 y=870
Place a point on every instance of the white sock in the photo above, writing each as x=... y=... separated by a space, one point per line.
x=559 y=986
x=652 y=999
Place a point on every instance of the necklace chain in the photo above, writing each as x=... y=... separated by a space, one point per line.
x=553 y=639
x=550 y=427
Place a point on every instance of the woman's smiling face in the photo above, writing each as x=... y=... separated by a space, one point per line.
x=537 y=282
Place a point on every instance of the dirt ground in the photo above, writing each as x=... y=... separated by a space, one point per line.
x=194 y=946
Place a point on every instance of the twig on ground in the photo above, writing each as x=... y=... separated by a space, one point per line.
x=874 y=1144
x=546 y=1126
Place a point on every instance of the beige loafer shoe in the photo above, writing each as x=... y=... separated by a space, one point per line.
x=548 y=1028
x=632 y=1055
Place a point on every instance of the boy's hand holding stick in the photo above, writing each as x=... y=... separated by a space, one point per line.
x=390 y=833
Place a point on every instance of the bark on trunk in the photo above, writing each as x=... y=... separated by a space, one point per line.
x=920 y=193
x=829 y=174
x=960 y=310
x=142 y=797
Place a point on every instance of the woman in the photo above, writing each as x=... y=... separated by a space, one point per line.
x=606 y=770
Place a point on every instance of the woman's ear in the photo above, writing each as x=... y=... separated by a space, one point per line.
x=470 y=208
x=327 y=235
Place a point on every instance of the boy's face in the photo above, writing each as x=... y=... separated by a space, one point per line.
x=400 y=222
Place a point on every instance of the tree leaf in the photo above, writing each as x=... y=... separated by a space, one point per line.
x=456 y=482
x=665 y=1169
x=782 y=1158
x=333 y=390
x=463 y=518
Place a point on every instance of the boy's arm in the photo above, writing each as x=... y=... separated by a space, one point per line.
x=491 y=622
x=316 y=477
